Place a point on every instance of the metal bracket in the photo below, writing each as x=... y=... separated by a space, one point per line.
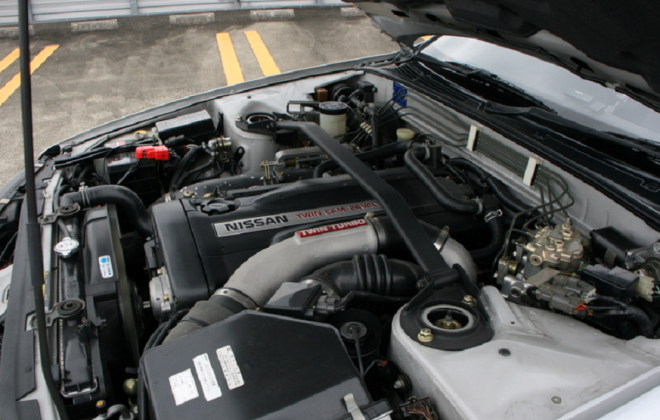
x=66 y=211
x=352 y=407
x=472 y=137
x=65 y=310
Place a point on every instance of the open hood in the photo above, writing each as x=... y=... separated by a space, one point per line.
x=613 y=42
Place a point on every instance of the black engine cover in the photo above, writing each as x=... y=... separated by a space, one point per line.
x=201 y=250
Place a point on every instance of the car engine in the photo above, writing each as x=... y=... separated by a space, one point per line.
x=339 y=247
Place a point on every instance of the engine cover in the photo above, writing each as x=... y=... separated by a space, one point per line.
x=200 y=246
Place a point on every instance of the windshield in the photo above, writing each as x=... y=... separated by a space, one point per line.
x=579 y=100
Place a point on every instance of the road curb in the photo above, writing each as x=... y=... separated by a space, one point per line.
x=272 y=15
x=12 y=31
x=193 y=19
x=95 y=25
x=351 y=12
x=42 y=30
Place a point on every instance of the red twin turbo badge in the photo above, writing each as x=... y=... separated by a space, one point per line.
x=331 y=228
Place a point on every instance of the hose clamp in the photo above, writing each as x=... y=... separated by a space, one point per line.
x=493 y=214
x=480 y=203
x=84 y=196
x=237 y=296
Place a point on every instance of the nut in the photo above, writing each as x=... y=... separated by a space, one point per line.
x=130 y=387
x=425 y=335
x=469 y=300
x=188 y=193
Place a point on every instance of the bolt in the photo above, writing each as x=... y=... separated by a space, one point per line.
x=188 y=193
x=556 y=400
x=239 y=119
x=469 y=300
x=656 y=248
x=101 y=407
x=399 y=384
x=134 y=410
x=425 y=335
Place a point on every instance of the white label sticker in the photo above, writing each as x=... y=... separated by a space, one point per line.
x=207 y=377
x=183 y=387
x=229 y=367
x=105 y=264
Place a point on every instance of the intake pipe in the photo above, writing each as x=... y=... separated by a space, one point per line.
x=370 y=273
x=113 y=194
x=257 y=280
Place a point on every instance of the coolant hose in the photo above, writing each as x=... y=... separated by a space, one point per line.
x=370 y=273
x=257 y=280
x=412 y=159
x=496 y=228
x=381 y=152
x=496 y=186
x=113 y=194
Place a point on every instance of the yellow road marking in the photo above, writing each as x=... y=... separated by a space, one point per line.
x=229 y=60
x=10 y=87
x=266 y=62
x=11 y=57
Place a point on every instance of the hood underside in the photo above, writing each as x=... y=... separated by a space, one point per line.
x=609 y=41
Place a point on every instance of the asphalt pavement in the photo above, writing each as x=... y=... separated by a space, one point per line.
x=81 y=80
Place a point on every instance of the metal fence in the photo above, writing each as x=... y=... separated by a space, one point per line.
x=54 y=10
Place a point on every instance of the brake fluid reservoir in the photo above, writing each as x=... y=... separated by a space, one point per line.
x=333 y=117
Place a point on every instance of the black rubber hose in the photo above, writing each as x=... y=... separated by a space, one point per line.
x=412 y=159
x=633 y=313
x=375 y=135
x=496 y=186
x=391 y=149
x=118 y=195
x=183 y=165
x=497 y=233
x=370 y=273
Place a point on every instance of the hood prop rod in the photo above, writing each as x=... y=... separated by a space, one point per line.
x=32 y=227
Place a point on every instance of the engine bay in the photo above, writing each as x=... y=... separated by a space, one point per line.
x=341 y=247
